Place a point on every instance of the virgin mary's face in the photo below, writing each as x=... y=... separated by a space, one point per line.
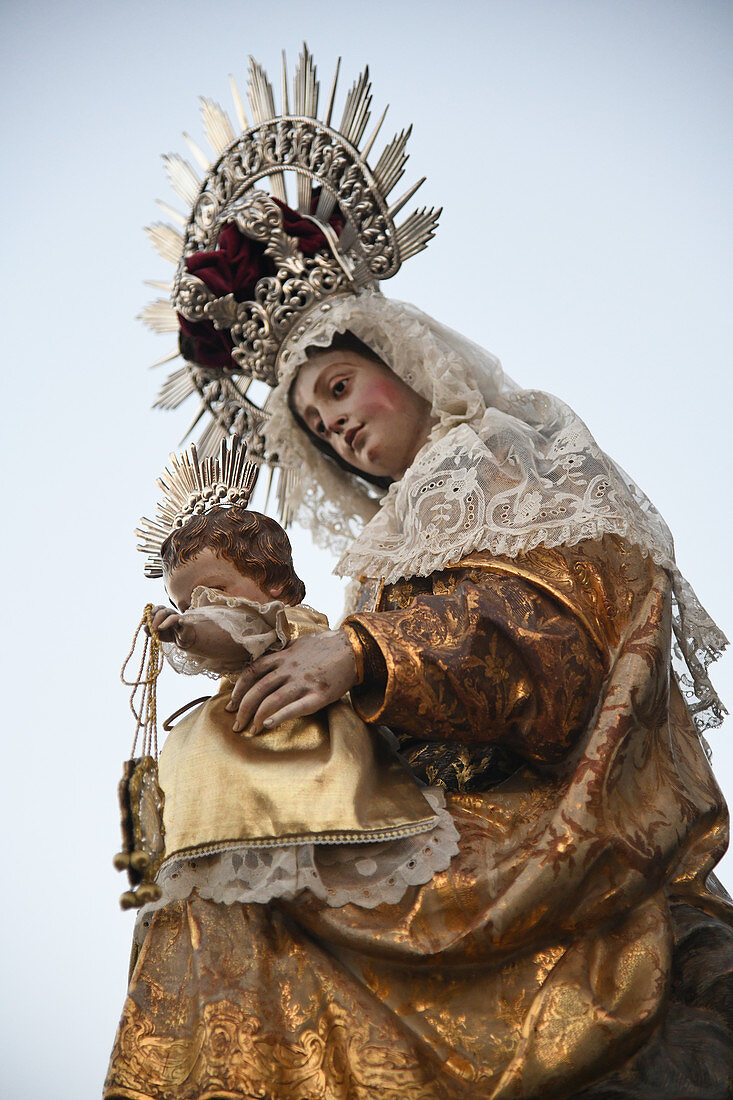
x=365 y=413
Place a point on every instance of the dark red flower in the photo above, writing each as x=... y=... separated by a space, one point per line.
x=234 y=267
x=201 y=343
x=307 y=234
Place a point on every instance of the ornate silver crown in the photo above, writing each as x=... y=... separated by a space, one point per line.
x=191 y=485
x=341 y=239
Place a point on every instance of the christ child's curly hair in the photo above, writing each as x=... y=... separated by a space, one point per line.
x=255 y=544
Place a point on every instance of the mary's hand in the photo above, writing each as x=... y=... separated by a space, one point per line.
x=301 y=679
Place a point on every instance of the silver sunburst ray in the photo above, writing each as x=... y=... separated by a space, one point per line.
x=286 y=482
x=167 y=241
x=183 y=179
x=211 y=437
x=160 y=316
x=262 y=102
x=305 y=105
x=199 y=155
x=202 y=411
x=404 y=199
x=417 y=231
x=172 y=213
x=165 y=359
x=217 y=127
x=261 y=97
x=356 y=109
x=327 y=198
x=285 y=97
x=177 y=387
x=390 y=167
x=373 y=136
x=238 y=104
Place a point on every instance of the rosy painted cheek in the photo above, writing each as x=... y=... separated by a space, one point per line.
x=379 y=397
x=387 y=391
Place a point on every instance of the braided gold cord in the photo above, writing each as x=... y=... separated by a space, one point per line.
x=144 y=707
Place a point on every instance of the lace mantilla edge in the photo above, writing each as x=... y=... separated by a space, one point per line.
x=696 y=647
x=504 y=471
x=365 y=874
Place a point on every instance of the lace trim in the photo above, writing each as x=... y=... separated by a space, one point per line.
x=366 y=874
x=504 y=470
x=184 y=663
x=255 y=627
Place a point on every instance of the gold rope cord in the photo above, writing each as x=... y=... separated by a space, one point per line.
x=141 y=800
x=143 y=701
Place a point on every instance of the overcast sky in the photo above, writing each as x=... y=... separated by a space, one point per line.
x=581 y=152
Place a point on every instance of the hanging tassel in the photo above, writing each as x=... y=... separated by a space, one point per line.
x=141 y=799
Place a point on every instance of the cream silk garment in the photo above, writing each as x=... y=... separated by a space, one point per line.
x=319 y=802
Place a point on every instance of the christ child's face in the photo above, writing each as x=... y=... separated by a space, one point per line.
x=367 y=415
x=209 y=570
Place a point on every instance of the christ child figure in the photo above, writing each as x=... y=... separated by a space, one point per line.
x=285 y=803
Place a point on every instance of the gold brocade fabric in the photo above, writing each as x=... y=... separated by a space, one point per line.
x=540 y=961
x=325 y=777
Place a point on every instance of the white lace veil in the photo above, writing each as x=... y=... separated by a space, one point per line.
x=504 y=470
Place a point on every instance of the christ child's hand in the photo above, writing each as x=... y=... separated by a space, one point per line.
x=171 y=626
x=201 y=637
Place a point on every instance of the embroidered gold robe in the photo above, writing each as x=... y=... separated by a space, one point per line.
x=575 y=944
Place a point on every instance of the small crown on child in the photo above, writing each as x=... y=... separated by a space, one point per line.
x=191 y=486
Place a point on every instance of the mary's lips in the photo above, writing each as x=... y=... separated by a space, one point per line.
x=351 y=435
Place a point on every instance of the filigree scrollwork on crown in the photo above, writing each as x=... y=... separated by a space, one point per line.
x=192 y=298
x=231 y=411
x=239 y=417
x=261 y=219
x=258 y=328
x=315 y=150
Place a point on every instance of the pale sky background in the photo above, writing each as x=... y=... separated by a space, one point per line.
x=581 y=151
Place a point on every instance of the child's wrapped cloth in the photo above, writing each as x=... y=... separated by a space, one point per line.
x=319 y=802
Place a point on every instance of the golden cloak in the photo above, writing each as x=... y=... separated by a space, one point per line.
x=576 y=946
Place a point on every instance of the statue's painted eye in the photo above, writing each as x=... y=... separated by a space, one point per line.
x=338 y=387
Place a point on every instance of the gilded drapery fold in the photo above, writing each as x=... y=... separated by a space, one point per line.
x=485 y=657
x=541 y=959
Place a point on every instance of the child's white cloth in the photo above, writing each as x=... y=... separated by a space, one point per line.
x=256 y=627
